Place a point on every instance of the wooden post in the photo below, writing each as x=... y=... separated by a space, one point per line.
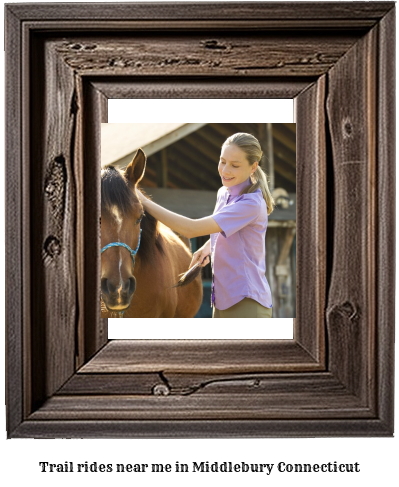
x=163 y=170
x=282 y=271
x=269 y=160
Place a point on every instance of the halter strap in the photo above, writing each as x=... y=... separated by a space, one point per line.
x=121 y=244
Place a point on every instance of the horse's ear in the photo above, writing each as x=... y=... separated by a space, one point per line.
x=135 y=170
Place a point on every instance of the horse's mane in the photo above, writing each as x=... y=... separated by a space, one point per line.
x=115 y=191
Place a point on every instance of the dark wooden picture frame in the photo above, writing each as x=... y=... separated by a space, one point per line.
x=63 y=62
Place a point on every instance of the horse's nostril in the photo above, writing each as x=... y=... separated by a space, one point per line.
x=104 y=286
x=107 y=287
x=132 y=285
x=111 y=287
x=128 y=287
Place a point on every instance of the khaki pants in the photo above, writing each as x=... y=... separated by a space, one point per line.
x=246 y=308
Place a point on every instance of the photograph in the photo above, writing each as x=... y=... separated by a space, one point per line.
x=199 y=218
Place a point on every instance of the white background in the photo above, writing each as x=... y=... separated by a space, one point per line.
x=377 y=456
x=200 y=111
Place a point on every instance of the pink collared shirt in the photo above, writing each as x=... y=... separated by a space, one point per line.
x=238 y=252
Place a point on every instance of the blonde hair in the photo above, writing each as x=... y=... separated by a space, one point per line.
x=253 y=152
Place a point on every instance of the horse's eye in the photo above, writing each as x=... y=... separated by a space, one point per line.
x=139 y=220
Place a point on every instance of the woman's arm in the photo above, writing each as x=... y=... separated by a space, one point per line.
x=185 y=226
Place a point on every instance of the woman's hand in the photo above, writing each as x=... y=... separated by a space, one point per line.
x=202 y=255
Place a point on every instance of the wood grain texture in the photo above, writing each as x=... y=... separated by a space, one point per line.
x=310 y=97
x=95 y=329
x=144 y=87
x=16 y=251
x=200 y=356
x=243 y=55
x=185 y=384
x=351 y=112
x=113 y=384
x=249 y=428
x=59 y=80
x=53 y=197
x=255 y=397
x=311 y=218
x=203 y=407
x=385 y=244
x=208 y=11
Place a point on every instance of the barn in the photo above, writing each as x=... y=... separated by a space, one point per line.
x=181 y=175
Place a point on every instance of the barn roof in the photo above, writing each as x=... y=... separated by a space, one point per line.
x=119 y=141
x=184 y=158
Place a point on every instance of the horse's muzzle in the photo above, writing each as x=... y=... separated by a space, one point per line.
x=117 y=297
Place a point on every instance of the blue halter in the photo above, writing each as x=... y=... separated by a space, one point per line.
x=120 y=244
x=132 y=253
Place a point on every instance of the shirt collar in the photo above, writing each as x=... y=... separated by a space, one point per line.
x=236 y=190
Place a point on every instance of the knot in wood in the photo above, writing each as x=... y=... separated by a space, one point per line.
x=90 y=47
x=347 y=128
x=346 y=310
x=213 y=44
x=161 y=390
x=54 y=185
x=349 y=310
x=52 y=246
x=50 y=188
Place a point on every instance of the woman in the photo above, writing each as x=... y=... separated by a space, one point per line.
x=237 y=228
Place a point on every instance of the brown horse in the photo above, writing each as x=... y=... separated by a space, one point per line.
x=141 y=258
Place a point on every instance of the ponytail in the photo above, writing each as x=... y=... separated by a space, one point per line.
x=259 y=180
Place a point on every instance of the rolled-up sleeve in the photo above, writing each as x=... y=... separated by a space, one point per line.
x=232 y=218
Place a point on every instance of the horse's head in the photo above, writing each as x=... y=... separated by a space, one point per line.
x=121 y=214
